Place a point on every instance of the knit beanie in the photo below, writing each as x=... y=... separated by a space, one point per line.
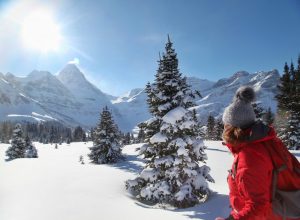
x=240 y=112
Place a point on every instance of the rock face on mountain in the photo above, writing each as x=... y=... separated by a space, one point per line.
x=70 y=98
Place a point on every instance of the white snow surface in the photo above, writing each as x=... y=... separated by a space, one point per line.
x=174 y=115
x=158 y=138
x=56 y=186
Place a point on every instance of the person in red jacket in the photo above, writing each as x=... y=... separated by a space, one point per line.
x=250 y=178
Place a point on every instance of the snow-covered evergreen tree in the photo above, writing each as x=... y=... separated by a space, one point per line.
x=79 y=134
x=219 y=127
x=175 y=171
x=31 y=151
x=106 y=144
x=288 y=115
x=268 y=117
x=17 y=148
x=210 y=128
x=258 y=110
x=126 y=138
x=141 y=136
x=81 y=160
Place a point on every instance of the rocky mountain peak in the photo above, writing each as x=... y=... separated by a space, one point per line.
x=71 y=73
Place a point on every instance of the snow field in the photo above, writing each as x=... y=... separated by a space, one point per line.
x=56 y=186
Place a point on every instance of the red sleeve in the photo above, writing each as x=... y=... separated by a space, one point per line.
x=254 y=176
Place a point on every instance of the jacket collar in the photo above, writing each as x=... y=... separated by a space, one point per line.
x=258 y=132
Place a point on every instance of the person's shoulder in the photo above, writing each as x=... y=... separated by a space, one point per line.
x=254 y=153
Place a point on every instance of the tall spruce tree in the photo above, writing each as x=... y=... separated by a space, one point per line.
x=106 y=143
x=288 y=115
x=284 y=87
x=175 y=172
x=17 y=148
x=294 y=116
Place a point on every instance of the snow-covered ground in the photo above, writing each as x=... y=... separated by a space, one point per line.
x=56 y=186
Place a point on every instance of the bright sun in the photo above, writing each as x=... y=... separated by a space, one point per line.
x=40 y=32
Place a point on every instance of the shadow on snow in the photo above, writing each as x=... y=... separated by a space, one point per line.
x=208 y=210
x=215 y=149
x=217 y=205
x=131 y=163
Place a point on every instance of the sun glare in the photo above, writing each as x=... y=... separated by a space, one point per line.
x=40 y=32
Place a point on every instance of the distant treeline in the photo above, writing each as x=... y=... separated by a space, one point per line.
x=55 y=132
x=46 y=132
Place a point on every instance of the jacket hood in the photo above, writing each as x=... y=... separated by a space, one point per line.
x=258 y=132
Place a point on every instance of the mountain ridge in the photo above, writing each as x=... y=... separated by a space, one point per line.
x=70 y=98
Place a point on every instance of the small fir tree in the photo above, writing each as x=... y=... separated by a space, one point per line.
x=79 y=134
x=219 y=127
x=126 y=138
x=258 y=110
x=141 y=136
x=106 y=145
x=210 y=128
x=81 y=160
x=17 y=148
x=31 y=151
x=268 y=117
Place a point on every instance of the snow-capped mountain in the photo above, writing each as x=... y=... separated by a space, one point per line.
x=128 y=96
x=133 y=107
x=70 y=98
x=216 y=98
x=199 y=84
x=92 y=100
x=16 y=105
x=215 y=95
x=67 y=97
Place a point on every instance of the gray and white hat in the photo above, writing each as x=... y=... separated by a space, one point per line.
x=240 y=112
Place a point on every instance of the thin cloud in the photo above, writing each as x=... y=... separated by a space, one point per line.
x=74 y=61
x=154 y=38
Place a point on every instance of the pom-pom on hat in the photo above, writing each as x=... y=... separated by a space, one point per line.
x=240 y=112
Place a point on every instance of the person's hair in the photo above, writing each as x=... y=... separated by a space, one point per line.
x=234 y=135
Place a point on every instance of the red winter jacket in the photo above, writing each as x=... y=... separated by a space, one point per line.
x=250 y=178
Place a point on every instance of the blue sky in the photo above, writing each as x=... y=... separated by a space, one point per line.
x=117 y=41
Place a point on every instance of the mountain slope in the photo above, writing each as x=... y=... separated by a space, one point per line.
x=215 y=95
x=91 y=99
x=15 y=105
x=133 y=107
x=221 y=93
